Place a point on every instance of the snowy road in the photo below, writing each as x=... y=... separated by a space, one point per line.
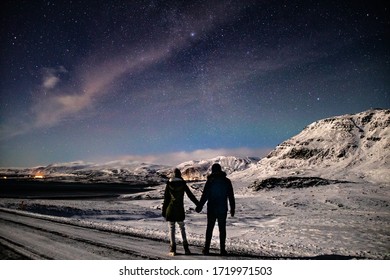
x=39 y=238
x=44 y=239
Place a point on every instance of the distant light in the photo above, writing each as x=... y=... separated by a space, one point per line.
x=5 y=177
x=39 y=176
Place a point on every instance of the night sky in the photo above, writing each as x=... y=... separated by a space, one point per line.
x=168 y=81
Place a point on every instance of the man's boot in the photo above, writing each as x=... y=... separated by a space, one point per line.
x=206 y=249
x=222 y=249
x=222 y=241
x=186 y=249
x=172 y=251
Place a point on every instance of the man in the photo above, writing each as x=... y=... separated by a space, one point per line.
x=173 y=209
x=217 y=191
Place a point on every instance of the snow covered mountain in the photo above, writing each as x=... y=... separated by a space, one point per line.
x=199 y=169
x=111 y=172
x=130 y=171
x=348 y=147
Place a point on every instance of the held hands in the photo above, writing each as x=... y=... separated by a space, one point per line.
x=198 y=209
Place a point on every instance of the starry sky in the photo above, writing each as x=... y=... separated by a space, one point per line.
x=169 y=81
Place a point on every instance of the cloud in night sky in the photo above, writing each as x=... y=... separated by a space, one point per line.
x=50 y=77
x=59 y=104
x=170 y=80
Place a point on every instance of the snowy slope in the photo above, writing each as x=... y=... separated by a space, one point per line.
x=348 y=147
x=199 y=169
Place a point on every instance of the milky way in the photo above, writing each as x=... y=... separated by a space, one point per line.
x=166 y=80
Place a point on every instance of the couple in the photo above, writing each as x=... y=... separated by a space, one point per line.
x=217 y=191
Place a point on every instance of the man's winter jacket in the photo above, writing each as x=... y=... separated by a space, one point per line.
x=217 y=191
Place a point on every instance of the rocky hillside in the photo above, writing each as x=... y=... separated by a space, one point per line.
x=349 y=147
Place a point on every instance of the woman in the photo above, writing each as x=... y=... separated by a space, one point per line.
x=173 y=209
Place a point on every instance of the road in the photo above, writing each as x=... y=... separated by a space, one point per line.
x=27 y=237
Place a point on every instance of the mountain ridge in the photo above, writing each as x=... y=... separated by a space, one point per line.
x=347 y=147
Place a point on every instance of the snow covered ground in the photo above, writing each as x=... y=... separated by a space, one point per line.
x=338 y=220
